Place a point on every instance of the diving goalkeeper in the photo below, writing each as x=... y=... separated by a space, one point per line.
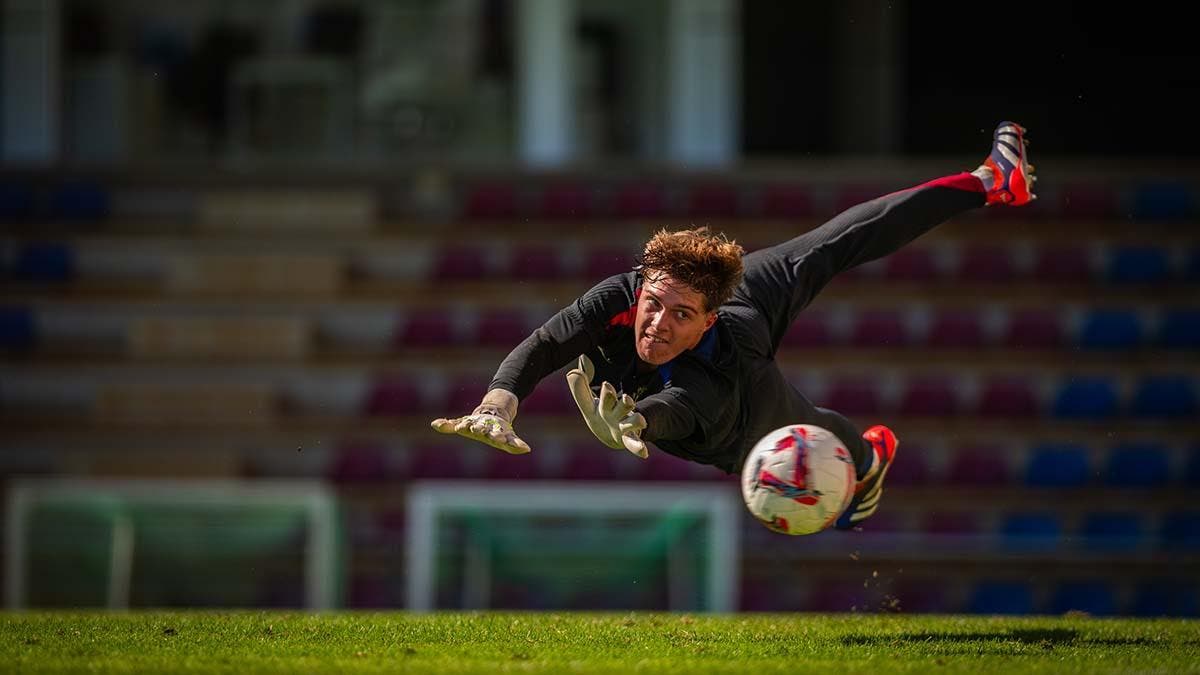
x=680 y=351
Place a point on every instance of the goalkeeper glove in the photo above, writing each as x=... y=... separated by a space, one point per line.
x=610 y=419
x=490 y=423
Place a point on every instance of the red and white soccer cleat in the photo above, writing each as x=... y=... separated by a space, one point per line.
x=869 y=488
x=1007 y=174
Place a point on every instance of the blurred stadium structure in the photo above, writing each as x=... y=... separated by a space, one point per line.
x=246 y=242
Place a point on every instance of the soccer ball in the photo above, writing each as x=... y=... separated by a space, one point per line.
x=798 y=479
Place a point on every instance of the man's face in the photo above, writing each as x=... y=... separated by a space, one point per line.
x=670 y=319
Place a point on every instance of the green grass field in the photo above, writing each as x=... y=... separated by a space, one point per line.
x=200 y=642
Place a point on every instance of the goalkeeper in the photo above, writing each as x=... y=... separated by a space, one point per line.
x=680 y=351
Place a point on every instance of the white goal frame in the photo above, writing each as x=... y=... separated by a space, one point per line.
x=316 y=500
x=427 y=499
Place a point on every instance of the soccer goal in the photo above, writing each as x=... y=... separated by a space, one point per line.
x=123 y=543
x=477 y=545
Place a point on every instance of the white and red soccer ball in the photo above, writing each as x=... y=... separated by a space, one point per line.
x=798 y=479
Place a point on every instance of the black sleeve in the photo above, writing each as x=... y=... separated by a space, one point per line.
x=669 y=416
x=574 y=330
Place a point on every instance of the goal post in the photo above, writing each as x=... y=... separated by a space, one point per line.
x=466 y=539
x=118 y=538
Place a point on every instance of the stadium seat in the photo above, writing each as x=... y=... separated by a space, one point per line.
x=837 y=595
x=550 y=397
x=786 y=200
x=851 y=195
x=1087 y=398
x=880 y=328
x=1110 y=329
x=1138 y=265
x=988 y=264
x=465 y=392
x=566 y=201
x=1060 y=264
x=1138 y=465
x=17 y=330
x=394 y=396
x=810 y=329
x=1163 y=201
x=588 y=460
x=604 y=262
x=854 y=396
x=502 y=328
x=917 y=597
x=1008 y=397
x=660 y=466
x=1088 y=201
x=1034 y=329
x=940 y=523
x=978 y=466
x=912 y=468
x=438 y=461
x=1031 y=532
x=79 y=201
x=503 y=466
x=1165 y=397
x=1180 y=329
x=1166 y=597
x=1181 y=531
x=492 y=201
x=1192 y=473
x=45 y=262
x=930 y=396
x=911 y=264
x=16 y=202
x=713 y=200
x=360 y=462
x=461 y=262
x=1001 y=597
x=536 y=262
x=1093 y=597
x=956 y=329
x=427 y=328
x=639 y=200
x=1112 y=531
x=1191 y=271
x=1058 y=465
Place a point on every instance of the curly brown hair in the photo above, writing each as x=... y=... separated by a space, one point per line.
x=711 y=264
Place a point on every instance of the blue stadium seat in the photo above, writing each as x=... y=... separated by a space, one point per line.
x=1192 y=473
x=1181 y=530
x=16 y=328
x=1087 y=398
x=1180 y=329
x=1030 y=532
x=1138 y=265
x=1165 y=597
x=1138 y=465
x=1110 y=329
x=1165 y=396
x=79 y=201
x=1001 y=597
x=1058 y=465
x=1094 y=597
x=16 y=202
x=1112 y=531
x=1164 y=201
x=45 y=262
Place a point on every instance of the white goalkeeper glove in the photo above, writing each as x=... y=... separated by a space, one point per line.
x=611 y=419
x=490 y=423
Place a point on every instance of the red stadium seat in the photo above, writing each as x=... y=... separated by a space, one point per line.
x=357 y=462
x=465 y=393
x=991 y=264
x=1088 y=200
x=392 y=396
x=855 y=396
x=930 y=396
x=1008 y=397
x=810 y=329
x=662 y=466
x=1061 y=264
x=536 y=262
x=502 y=328
x=1034 y=329
x=461 y=263
x=438 y=461
x=589 y=460
x=602 y=263
x=503 y=466
x=427 y=328
x=911 y=264
x=880 y=328
x=950 y=523
x=956 y=329
x=979 y=466
x=550 y=397
x=713 y=200
x=639 y=200
x=566 y=201
x=786 y=201
x=492 y=201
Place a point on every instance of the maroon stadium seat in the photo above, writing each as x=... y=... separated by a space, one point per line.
x=639 y=200
x=978 y=465
x=536 y=262
x=930 y=396
x=810 y=329
x=391 y=396
x=603 y=262
x=588 y=460
x=1008 y=397
x=461 y=263
x=565 y=201
x=1034 y=329
x=493 y=200
x=786 y=201
x=360 y=462
x=854 y=396
x=1063 y=264
x=956 y=329
x=911 y=264
x=990 y=264
x=880 y=328
x=713 y=200
x=502 y=328
x=427 y=328
x=438 y=460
